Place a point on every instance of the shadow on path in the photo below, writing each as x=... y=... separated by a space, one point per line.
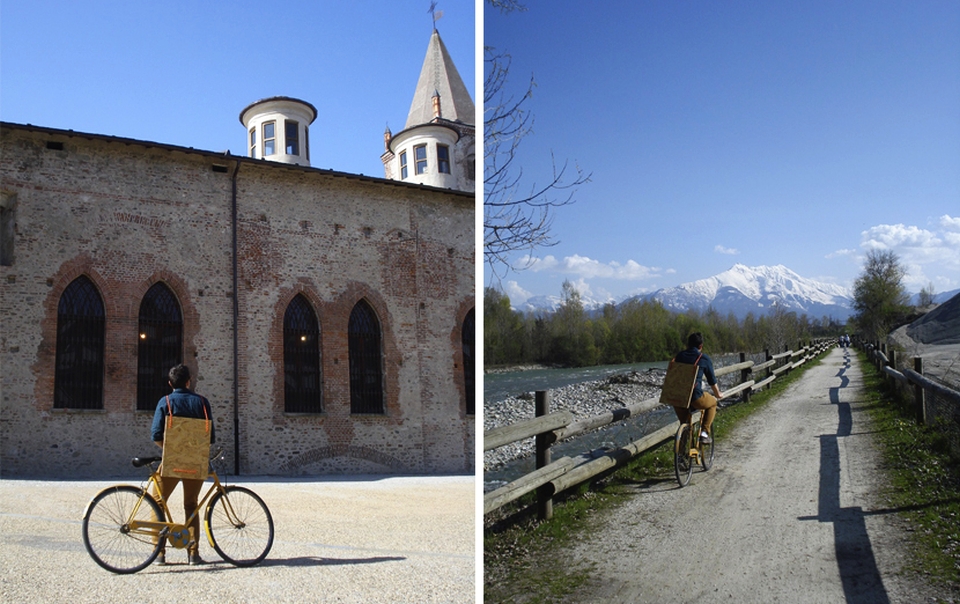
x=856 y=561
x=320 y=561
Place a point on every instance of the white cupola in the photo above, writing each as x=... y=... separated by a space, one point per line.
x=278 y=129
x=436 y=145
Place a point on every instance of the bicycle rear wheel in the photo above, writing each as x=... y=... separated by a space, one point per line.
x=682 y=464
x=239 y=526
x=107 y=534
x=706 y=452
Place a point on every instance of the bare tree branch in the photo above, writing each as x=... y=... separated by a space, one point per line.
x=515 y=217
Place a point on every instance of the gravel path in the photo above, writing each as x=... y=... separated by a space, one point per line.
x=787 y=514
x=364 y=539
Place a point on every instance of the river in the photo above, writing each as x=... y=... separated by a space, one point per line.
x=502 y=385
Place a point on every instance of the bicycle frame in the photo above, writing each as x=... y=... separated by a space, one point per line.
x=696 y=449
x=177 y=534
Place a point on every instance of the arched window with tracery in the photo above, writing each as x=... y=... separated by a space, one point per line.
x=160 y=344
x=78 y=379
x=468 y=340
x=301 y=358
x=366 y=360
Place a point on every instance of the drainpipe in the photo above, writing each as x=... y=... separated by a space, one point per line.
x=236 y=325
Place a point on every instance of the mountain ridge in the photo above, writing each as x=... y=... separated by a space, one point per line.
x=740 y=290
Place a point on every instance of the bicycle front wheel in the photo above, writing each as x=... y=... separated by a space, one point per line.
x=107 y=534
x=682 y=463
x=239 y=526
x=706 y=452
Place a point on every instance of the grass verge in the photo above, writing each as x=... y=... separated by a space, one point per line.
x=525 y=559
x=923 y=482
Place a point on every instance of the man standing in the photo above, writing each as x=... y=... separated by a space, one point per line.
x=182 y=402
x=693 y=355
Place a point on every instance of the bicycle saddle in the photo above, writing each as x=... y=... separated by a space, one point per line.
x=139 y=462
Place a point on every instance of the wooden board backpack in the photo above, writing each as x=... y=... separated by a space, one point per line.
x=679 y=383
x=186 y=446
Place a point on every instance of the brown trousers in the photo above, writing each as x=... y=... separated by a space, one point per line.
x=191 y=493
x=708 y=403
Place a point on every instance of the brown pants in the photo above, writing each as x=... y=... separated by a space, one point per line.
x=708 y=403
x=191 y=493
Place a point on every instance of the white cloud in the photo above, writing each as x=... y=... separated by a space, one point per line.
x=840 y=254
x=730 y=251
x=517 y=294
x=583 y=267
x=950 y=224
x=927 y=255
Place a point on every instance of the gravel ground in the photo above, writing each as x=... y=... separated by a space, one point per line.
x=364 y=539
x=789 y=513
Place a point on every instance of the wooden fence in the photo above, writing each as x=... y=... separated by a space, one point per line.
x=923 y=387
x=552 y=477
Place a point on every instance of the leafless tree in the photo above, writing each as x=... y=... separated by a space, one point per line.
x=516 y=216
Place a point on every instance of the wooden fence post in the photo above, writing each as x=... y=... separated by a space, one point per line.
x=745 y=377
x=545 y=492
x=918 y=396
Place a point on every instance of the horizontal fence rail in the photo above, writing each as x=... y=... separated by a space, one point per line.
x=552 y=477
x=936 y=404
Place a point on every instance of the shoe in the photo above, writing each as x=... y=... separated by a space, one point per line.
x=196 y=560
x=705 y=438
x=161 y=559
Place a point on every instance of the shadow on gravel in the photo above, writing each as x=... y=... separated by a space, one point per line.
x=856 y=561
x=301 y=561
x=320 y=561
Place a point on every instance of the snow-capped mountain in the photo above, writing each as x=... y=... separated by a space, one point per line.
x=552 y=303
x=745 y=289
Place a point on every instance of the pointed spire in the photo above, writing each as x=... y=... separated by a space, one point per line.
x=439 y=76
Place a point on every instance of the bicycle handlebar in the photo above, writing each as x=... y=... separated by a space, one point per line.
x=139 y=462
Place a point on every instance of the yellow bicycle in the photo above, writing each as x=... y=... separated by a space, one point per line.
x=125 y=527
x=689 y=449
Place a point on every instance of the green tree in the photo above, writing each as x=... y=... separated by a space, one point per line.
x=503 y=332
x=879 y=298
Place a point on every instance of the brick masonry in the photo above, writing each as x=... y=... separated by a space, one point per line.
x=128 y=214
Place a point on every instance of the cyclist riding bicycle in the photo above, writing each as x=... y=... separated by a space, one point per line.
x=693 y=355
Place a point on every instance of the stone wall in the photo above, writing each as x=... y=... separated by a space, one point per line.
x=128 y=214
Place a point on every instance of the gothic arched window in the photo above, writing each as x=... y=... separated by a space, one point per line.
x=468 y=339
x=301 y=358
x=366 y=373
x=78 y=379
x=160 y=344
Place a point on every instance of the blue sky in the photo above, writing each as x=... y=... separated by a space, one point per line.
x=180 y=72
x=760 y=133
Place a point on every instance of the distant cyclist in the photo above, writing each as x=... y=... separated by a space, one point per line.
x=693 y=355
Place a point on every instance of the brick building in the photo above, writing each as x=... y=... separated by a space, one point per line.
x=328 y=317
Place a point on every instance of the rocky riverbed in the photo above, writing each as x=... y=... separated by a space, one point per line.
x=585 y=399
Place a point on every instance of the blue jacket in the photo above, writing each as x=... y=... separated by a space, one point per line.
x=183 y=403
x=689 y=356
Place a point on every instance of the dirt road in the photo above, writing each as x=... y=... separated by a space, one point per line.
x=789 y=513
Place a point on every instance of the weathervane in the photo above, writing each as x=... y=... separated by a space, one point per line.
x=436 y=14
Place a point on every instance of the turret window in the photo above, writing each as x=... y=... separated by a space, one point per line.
x=269 y=138
x=420 y=156
x=403 y=165
x=253 y=142
x=443 y=159
x=292 y=135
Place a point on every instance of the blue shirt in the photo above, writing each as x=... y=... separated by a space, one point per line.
x=689 y=356
x=183 y=403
